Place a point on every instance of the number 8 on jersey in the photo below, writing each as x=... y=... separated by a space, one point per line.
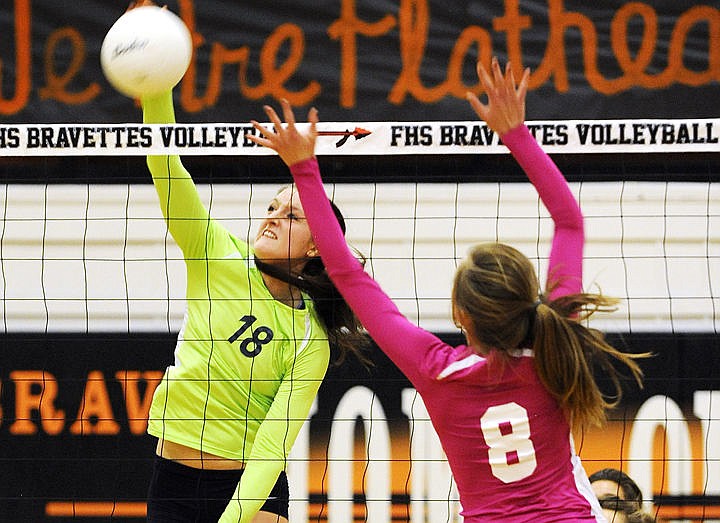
x=511 y=453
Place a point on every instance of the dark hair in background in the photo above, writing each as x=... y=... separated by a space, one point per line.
x=632 y=499
x=345 y=332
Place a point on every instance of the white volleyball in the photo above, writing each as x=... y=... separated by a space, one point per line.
x=146 y=51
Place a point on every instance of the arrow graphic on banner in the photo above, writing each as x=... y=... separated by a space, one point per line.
x=358 y=133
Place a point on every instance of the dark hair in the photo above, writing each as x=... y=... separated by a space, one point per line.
x=345 y=332
x=630 y=490
x=632 y=499
x=498 y=288
x=339 y=216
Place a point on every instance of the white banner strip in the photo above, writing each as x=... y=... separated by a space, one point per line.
x=365 y=138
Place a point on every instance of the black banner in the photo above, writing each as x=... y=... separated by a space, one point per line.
x=73 y=442
x=368 y=60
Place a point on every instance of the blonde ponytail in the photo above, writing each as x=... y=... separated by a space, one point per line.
x=496 y=288
x=566 y=351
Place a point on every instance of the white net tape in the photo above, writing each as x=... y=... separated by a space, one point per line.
x=361 y=138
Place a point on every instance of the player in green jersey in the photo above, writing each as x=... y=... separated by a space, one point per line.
x=252 y=352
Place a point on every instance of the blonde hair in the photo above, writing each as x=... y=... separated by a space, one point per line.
x=497 y=287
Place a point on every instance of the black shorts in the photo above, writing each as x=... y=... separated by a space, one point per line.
x=182 y=494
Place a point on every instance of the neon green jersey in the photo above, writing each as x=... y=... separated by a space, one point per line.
x=247 y=367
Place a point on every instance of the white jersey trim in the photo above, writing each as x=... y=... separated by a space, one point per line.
x=582 y=483
x=472 y=359
x=459 y=365
x=308 y=333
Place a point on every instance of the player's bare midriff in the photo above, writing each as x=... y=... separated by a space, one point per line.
x=195 y=458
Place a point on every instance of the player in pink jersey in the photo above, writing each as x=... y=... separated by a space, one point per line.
x=504 y=405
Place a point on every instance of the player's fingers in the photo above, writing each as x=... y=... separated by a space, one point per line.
x=523 y=87
x=313 y=118
x=485 y=79
x=274 y=118
x=506 y=83
x=510 y=77
x=288 y=113
x=496 y=72
x=264 y=142
x=480 y=109
x=264 y=131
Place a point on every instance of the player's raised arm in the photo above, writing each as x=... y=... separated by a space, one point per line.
x=504 y=113
x=524 y=360
x=401 y=340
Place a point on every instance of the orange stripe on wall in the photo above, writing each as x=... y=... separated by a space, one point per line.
x=139 y=509
x=688 y=512
x=95 y=509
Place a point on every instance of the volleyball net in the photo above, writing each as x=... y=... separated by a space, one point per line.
x=93 y=296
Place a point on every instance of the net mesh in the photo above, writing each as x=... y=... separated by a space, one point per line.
x=93 y=293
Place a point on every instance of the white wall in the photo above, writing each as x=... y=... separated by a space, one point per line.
x=97 y=258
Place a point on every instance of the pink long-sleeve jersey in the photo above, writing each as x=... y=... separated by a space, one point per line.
x=507 y=440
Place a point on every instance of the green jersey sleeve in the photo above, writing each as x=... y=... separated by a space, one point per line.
x=277 y=434
x=187 y=217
